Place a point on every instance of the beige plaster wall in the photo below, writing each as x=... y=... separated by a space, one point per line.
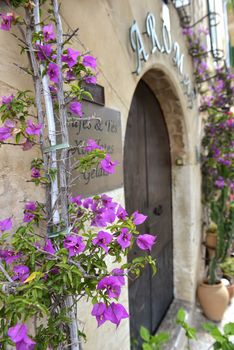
x=104 y=27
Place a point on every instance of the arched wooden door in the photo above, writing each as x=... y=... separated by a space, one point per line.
x=147 y=181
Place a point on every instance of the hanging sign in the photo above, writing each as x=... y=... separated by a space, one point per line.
x=105 y=128
x=162 y=44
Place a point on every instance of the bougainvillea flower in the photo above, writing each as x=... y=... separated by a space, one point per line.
x=107 y=165
x=49 y=247
x=76 y=200
x=48 y=32
x=32 y=206
x=44 y=51
x=35 y=173
x=9 y=256
x=33 y=129
x=121 y=213
x=109 y=215
x=87 y=202
x=28 y=217
x=5 y=133
x=27 y=145
x=220 y=183
x=90 y=79
x=70 y=75
x=76 y=108
x=6 y=100
x=119 y=273
x=74 y=245
x=92 y=145
x=112 y=286
x=107 y=201
x=18 y=335
x=53 y=72
x=138 y=218
x=99 y=311
x=90 y=61
x=124 y=239
x=21 y=273
x=115 y=313
x=6 y=21
x=145 y=242
x=71 y=57
x=5 y=224
x=98 y=221
x=103 y=238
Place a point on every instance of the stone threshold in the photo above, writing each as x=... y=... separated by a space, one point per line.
x=178 y=340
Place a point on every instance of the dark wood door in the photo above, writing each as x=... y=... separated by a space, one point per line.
x=147 y=180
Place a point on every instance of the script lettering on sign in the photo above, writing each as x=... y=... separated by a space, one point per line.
x=105 y=129
x=166 y=46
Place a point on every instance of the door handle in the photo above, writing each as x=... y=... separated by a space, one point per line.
x=158 y=210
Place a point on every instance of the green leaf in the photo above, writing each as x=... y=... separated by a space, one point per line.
x=144 y=333
x=180 y=317
x=229 y=328
x=146 y=346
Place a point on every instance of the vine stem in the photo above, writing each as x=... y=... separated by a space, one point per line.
x=50 y=120
x=74 y=337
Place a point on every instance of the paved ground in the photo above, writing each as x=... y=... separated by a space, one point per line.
x=205 y=341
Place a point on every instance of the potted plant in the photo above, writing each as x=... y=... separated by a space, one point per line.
x=227 y=268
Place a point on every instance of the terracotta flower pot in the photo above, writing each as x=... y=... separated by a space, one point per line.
x=214 y=300
x=230 y=289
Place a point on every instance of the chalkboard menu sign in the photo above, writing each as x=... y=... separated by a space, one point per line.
x=105 y=128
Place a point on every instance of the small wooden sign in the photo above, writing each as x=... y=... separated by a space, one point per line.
x=105 y=129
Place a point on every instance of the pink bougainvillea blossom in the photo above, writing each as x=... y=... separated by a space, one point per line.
x=108 y=165
x=92 y=145
x=77 y=200
x=21 y=273
x=111 y=285
x=76 y=108
x=146 y=241
x=99 y=311
x=102 y=240
x=138 y=218
x=119 y=273
x=121 y=213
x=124 y=239
x=90 y=61
x=33 y=129
x=9 y=256
x=6 y=21
x=35 y=173
x=44 y=51
x=18 y=335
x=5 y=224
x=74 y=244
x=6 y=130
x=48 y=32
x=48 y=247
x=115 y=313
x=53 y=72
x=90 y=79
x=70 y=58
x=6 y=100
x=70 y=75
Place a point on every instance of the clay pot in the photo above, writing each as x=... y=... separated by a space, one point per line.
x=230 y=289
x=214 y=300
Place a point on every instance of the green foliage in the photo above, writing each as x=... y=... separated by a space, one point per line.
x=153 y=342
x=190 y=332
x=222 y=340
